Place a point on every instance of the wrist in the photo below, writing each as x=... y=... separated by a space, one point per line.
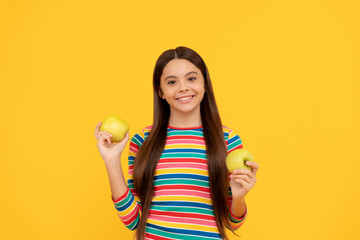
x=238 y=207
x=113 y=163
x=239 y=200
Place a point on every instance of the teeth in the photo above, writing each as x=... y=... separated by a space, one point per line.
x=184 y=99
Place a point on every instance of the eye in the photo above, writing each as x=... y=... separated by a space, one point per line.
x=192 y=78
x=171 y=82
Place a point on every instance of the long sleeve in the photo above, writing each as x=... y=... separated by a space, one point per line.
x=128 y=206
x=233 y=142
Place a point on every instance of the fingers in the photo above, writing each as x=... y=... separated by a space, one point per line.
x=104 y=137
x=253 y=165
x=107 y=138
x=247 y=172
x=97 y=129
x=102 y=134
x=106 y=133
x=246 y=185
x=125 y=139
x=99 y=133
x=127 y=136
x=241 y=178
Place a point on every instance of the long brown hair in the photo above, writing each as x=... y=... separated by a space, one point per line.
x=152 y=148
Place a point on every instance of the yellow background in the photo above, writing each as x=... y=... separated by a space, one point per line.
x=285 y=76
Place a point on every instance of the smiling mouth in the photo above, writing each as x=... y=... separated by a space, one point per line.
x=184 y=99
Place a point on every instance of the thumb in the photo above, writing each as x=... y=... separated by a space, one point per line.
x=126 y=137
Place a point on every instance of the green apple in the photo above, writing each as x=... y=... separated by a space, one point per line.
x=236 y=159
x=116 y=126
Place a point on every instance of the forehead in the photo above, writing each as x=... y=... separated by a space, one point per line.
x=179 y=67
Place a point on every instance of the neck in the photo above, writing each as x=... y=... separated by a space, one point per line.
x=185 y=120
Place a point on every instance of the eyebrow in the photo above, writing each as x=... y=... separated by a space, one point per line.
x=175 y=76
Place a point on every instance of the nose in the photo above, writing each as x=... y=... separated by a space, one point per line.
x=183 y=87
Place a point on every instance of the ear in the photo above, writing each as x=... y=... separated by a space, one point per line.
x=160 y=93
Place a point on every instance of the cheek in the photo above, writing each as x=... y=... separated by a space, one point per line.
x=169 y=93
x=200 y=89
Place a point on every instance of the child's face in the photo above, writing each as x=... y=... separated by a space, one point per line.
x=182 y=85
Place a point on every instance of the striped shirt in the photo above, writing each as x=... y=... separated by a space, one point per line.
x=181 y=207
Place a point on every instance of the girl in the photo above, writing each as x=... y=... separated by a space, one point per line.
x=179 y=186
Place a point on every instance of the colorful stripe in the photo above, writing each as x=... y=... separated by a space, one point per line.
x=181 y=207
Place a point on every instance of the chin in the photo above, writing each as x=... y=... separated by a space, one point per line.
x=185 y=109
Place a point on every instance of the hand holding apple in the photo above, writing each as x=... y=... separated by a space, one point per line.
x=243 y=172
x=112 y=135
